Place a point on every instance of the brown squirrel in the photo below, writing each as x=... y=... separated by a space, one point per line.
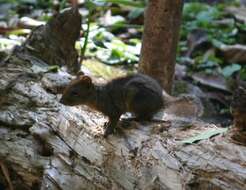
x=138 y=94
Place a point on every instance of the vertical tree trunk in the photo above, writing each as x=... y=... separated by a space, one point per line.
x=161 y=33
x=238 y=108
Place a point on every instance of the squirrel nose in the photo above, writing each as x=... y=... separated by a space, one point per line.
x=62 y=100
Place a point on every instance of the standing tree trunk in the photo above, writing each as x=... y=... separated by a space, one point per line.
x=161 y=31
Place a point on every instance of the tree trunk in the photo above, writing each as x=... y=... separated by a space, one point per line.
x=238 y=108
x=46 y=145
x=160 y=38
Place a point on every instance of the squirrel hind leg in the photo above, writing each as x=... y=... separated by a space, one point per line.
x=111 y=126
x=143 y=108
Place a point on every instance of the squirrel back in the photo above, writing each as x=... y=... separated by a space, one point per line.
x=136 y=93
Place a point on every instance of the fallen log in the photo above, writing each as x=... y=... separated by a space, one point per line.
x=46 y=145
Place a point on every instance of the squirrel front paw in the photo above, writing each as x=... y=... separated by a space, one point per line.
x=107 y=132
x=108 y=129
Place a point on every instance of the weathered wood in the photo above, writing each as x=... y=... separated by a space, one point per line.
x=46 y=145
x=54 y=42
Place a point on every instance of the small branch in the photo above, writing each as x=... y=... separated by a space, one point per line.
x=6 y=175
x=86 y=36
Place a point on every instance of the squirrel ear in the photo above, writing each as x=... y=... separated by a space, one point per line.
x=80 y=73
x=86 y=79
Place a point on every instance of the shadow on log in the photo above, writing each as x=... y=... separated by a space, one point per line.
x=46 y=145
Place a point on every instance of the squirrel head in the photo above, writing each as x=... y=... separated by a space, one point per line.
x=78 y=91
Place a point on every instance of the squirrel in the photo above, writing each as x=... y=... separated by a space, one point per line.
x=138 y=94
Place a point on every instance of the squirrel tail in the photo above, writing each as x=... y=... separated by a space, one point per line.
x=185 y=105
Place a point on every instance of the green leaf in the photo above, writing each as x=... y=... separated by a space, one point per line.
x=243 y=73
x=135 y=13
x=230 y=69
x=241 y=26
x=53 y=68
x=19 y=32
x=205 y=135
x=117 y=52
x=139 y=4
x=216 y=43
x=190 y=10
x=7 y=44
x=38 y=68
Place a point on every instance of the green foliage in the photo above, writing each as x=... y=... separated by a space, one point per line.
x=103 y=44
x=205 y=135
x=102 y=41
x=243 y=73
x=34 y=3
x=19 y=32
x=209 y=61
x=105 y=71
x=117 y=52
x=220 y=29
x=83 y=49
x=241 y=26
x=203 y=16
x=200 y=12
x=7 y=44
x=45 y=69
x=109 y=49
x=206 y=63
x=53 y=68
x=44 y=3
x=19 y=1
x=135 y=13
x=197 y=15
x=228 y=70
x=131 y=3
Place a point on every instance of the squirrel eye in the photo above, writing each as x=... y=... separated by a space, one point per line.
x=75 y=93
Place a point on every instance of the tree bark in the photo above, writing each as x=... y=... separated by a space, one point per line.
x=238 y=108
x=160 y=38
x=54 y=42
x=46 y=145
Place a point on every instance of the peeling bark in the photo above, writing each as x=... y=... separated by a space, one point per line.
x=46 y=145
x=54 y=43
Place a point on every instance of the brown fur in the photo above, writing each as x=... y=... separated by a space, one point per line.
x=138 y=94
